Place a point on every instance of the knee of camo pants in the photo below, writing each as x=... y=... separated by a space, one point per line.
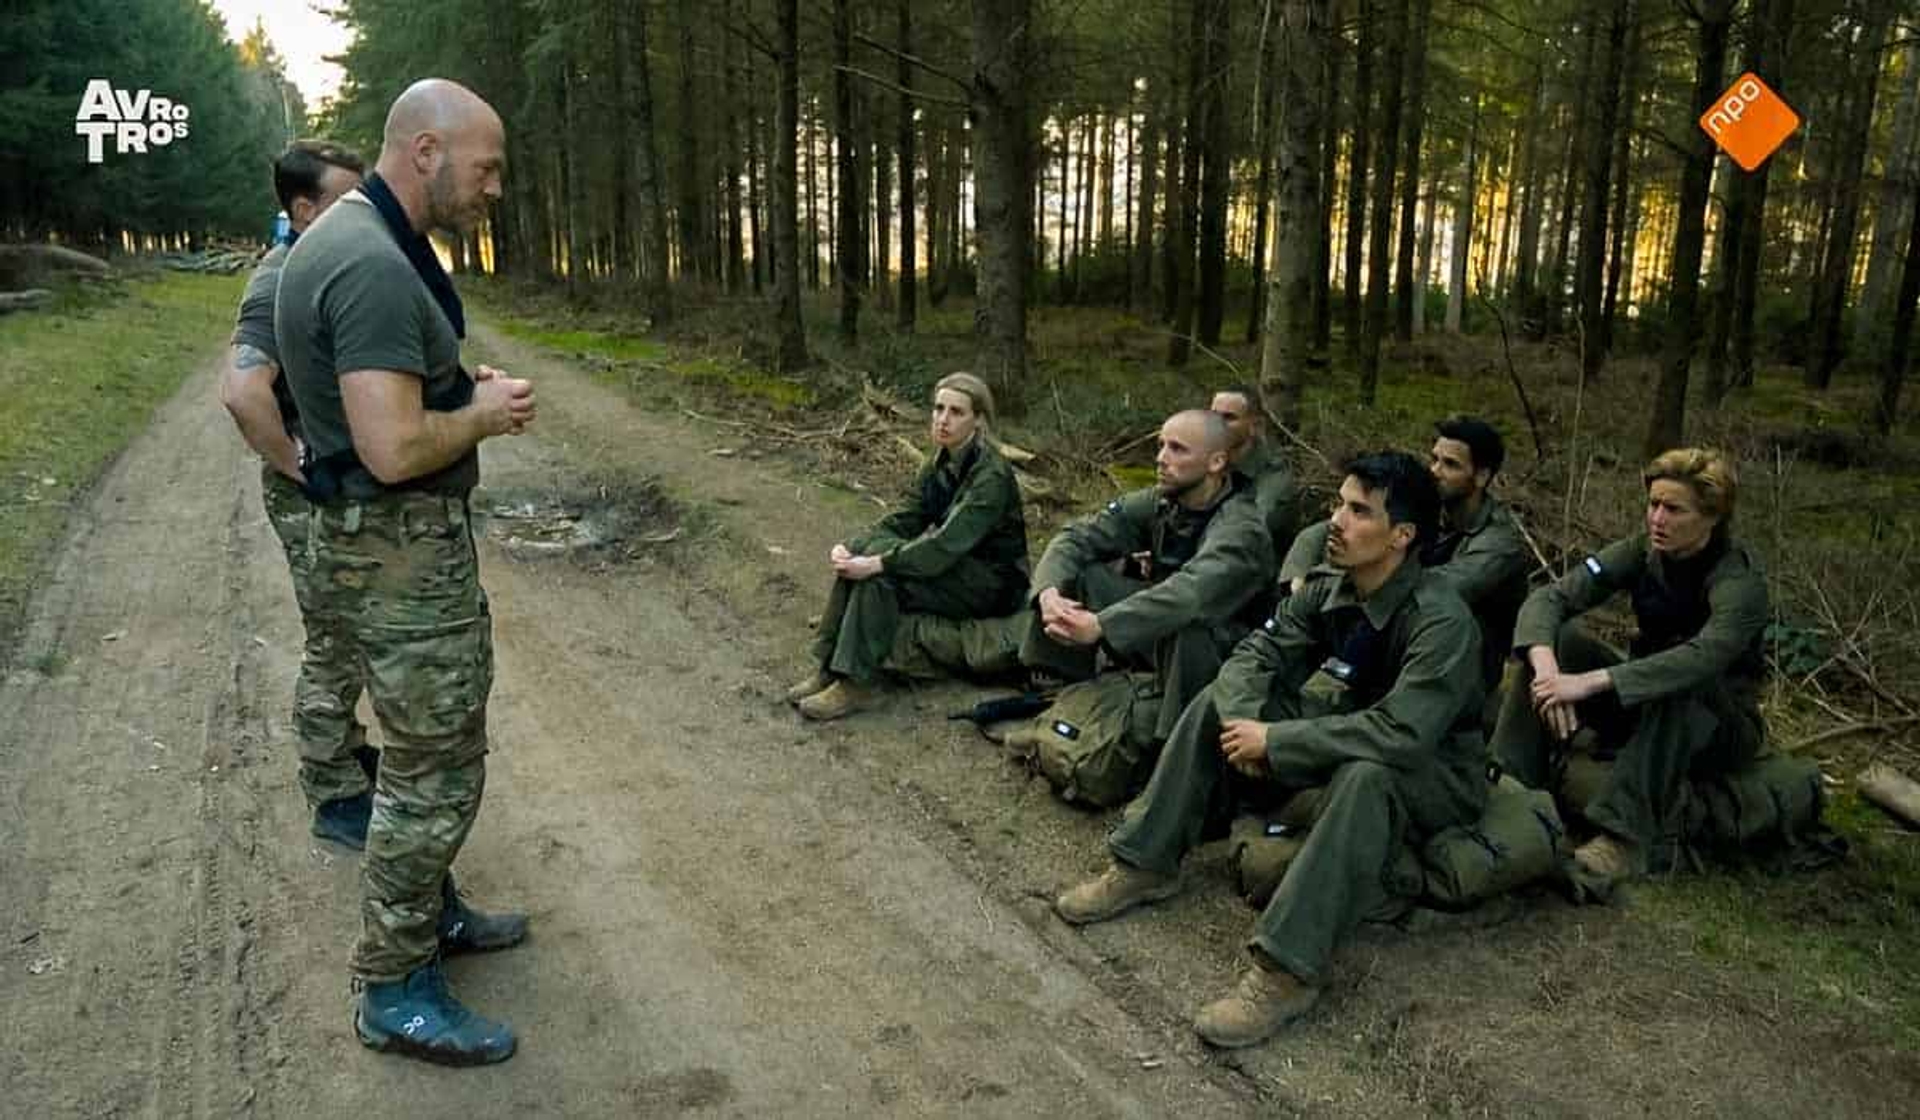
x=423 y=810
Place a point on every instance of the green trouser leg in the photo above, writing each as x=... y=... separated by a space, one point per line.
x=928 y=647
x=862 y=619
x=1521 y=744
x=327 y=689
x=405 y=566
x=1342 y=875
x=1098 y=588
x=1185 y=662
x=1193 y=792
x=1674 y=739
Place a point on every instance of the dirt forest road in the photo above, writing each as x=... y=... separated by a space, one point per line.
x=720 y=921
x=734 y=914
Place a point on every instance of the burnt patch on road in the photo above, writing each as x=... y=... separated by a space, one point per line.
x=598 y=524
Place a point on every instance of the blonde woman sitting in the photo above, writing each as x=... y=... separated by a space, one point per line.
x=956 y=548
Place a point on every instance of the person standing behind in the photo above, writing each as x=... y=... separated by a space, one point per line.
x=369 y=328
x=1252 y=454
x=956 y=549
x=336 y=764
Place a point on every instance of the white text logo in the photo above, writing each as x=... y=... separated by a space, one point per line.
x=134 y=120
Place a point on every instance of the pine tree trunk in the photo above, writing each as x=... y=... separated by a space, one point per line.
x=1897 y=185
x=1140 y=274
x=1263 y=130
x=1380 y=248
x=813 y=202
x=1405 y=286
x=1180 y=278
x=1836 y=271
x=1899 y=356
x=1329 y=167
x=1589 y=271
x=736 y=270
x=1463 y=212
x=1289 y=358
x=1772 y=20
x=654 y=278
x=1107 y=145
x=1620 y=256
x=1215 y=177
x=791 y=353
x=1666 y=427
x=847 y=247
x=691 y=221
x=762 y=256
x=1361 y=126
x=1003 y=136
x=905 y=309
x=880 y=272
x=1423 y=267
x=1527 y=252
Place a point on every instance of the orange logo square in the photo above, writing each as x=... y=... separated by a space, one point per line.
x=1749 y=121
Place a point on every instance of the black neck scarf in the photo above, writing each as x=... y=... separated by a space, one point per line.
x=418 y=249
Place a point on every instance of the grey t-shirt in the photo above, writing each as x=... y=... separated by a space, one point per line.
x=253 y=326
x=350 y=300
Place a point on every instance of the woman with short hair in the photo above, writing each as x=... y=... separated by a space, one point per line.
x=1685 y=700
x=956 y=548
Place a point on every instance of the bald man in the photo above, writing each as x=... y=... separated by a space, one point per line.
x=369 y=329
x=1167 y=578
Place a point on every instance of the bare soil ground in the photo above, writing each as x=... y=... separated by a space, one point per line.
x=735 y=914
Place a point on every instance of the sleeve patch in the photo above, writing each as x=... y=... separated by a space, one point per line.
x=1113 y=506
x=1271 y=622
x=1593 y=565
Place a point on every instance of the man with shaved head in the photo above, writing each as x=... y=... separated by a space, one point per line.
x=1168 y=577
x=369 y=328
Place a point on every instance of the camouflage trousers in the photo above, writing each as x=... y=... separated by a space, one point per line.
x=327 y=690
x=402 y=572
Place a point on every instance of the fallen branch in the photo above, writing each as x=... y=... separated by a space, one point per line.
x=1893 y=792
x=1851 y=729
x=23 y=301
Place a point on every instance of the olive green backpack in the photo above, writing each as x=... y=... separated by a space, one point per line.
x=1095 y=744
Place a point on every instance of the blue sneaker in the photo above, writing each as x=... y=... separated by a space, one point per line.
x=344 y=820
x=420 y=1018
x=466 y=930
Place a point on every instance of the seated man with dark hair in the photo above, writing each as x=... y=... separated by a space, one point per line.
x=1168 y=577
x=1367 y=681
x=1478 y=546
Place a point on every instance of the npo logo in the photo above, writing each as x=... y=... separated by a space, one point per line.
x=1749 y=122
x=133 y=120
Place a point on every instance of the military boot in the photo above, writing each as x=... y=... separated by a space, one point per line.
x=1604 y=859
x=1264 y=1001
x=344 y=820
x=841 y=698
x=420 y=1018
x=818 y=682
x=463 y=929
x=1113 y=892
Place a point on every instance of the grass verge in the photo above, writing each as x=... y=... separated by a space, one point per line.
x=81 y=379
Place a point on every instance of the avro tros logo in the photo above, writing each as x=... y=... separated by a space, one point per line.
x=134 y=120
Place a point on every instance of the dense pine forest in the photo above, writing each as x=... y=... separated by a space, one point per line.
x=1324 y=176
